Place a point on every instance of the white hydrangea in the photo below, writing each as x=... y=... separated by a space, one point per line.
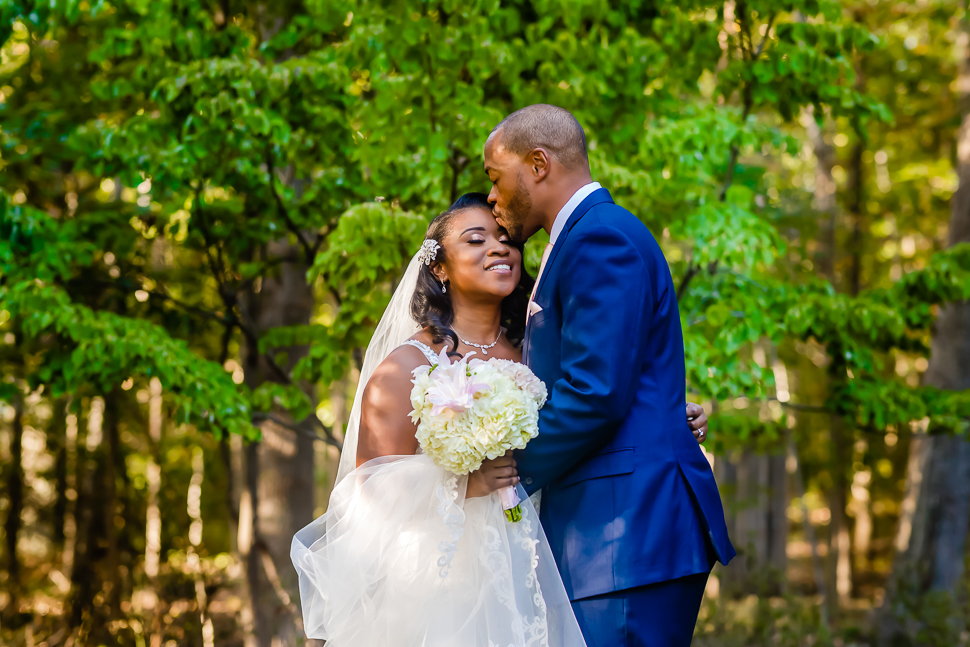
x=472 y=410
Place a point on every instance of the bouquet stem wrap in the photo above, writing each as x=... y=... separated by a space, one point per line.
x=510 y=503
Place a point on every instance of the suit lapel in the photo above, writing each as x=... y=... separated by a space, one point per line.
x=596 y=197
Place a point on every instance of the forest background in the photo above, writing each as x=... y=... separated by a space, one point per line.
x=206 y=204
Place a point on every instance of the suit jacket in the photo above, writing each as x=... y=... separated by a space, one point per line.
x=628 y=496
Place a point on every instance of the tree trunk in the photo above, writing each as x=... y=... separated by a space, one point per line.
x=840 y=543
x=856 y=199
x=859 y=504
x=840 y=539
x=153 y=517
x=280 y=466
x=779 y=495
x=931 y=537
x=818 y=570
x=749 y=526
x=83 y=573
x=194 y=510
x=15 y=498
x=825 y=203
x=759 y=524
x=824 y=196
x=726 y=475
x=57 y=443
x=279 y=492
x=109 y=496
x=71 y=481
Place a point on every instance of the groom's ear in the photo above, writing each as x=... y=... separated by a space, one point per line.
x=538 y=161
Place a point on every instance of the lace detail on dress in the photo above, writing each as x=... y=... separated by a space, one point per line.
x=529 y=618
x=454 y=518
x=429 y=353
x=538 y=628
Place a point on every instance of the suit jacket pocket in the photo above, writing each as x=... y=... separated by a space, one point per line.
x=610 y=463
x=536 y=319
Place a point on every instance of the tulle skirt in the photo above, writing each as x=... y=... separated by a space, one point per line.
x=402 y=559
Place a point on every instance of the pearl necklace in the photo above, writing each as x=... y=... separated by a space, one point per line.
x=482 y=347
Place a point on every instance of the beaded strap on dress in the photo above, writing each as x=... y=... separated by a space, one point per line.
x=432 y=358
x=429 y=353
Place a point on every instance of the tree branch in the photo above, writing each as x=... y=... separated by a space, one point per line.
x=269 y=568
x=328 y=437
x=764 y=40
x=742 y=16
x=458 y=163
x=218 y=273
x=229 y=298
x=211 y=315
x=805 y=408
x=692 y=271
x=308 y=249
x=226 y=338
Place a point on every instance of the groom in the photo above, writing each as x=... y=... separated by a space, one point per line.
x=629 y=502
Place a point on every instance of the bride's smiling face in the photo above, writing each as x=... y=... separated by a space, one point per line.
x=480 y=259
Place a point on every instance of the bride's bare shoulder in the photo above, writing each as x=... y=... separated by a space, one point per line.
x=386 y=428
x=395 y=371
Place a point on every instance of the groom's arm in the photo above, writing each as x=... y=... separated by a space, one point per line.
x=604 y=285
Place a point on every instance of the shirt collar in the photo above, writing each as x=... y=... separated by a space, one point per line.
x=567 y=209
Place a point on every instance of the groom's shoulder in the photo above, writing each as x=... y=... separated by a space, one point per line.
x=609 y=215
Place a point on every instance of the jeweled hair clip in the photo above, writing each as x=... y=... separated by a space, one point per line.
x=429 y=251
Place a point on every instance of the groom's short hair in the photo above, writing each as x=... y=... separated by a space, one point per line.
x=544 y=126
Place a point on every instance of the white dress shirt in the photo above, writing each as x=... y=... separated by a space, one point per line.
x=567 y=209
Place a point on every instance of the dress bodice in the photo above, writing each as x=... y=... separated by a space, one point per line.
x=429 y=353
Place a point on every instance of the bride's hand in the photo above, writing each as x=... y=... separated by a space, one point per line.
x=697 y=421
x=493 y=475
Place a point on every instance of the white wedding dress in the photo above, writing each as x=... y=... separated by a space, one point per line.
x=402 y=559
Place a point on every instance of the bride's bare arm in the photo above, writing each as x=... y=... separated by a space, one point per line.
x=385 y=424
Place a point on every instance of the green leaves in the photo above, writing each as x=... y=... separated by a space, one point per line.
x=859 y=333
x=369 y=249
x=206 y=153
x=732 y=235
x=33 y=248
x=100 y=350
x=288 y=397
x=85 y=348
x=787 y=63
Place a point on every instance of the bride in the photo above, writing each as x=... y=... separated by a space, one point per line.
x=407 y=553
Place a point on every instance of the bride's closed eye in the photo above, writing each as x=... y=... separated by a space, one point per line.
x=480 y=241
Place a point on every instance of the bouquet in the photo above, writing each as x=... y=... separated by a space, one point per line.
x=471 y=410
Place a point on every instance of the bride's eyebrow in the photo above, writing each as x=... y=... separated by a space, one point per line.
x=471 y=229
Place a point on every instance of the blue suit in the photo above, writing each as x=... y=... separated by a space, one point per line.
x=629 y=501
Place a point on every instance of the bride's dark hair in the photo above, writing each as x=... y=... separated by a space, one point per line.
x=431 y=307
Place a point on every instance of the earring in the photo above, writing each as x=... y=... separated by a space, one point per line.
x=444 y=288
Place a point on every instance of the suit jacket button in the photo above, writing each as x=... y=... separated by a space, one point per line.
x=528 y=480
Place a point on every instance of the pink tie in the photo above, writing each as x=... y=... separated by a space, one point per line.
x=542 y=266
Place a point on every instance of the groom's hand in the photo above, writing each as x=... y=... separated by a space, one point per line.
x=493 y=475
x=697 y=420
